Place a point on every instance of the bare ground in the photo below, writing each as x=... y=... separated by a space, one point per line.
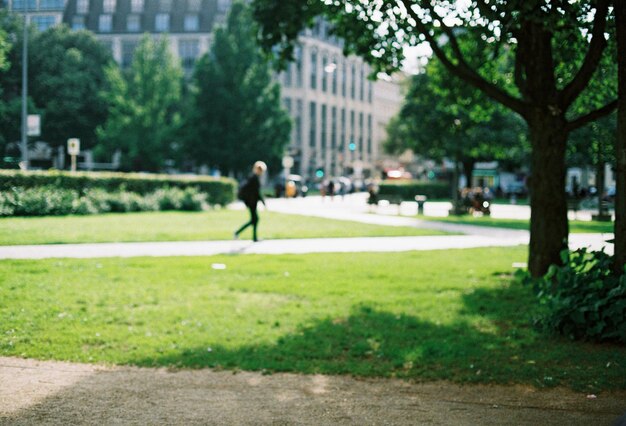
x=49 y=392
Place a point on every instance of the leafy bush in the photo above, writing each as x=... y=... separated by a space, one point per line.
x=220 y=191
x=44 y=201
x=409 y=189
x=583 y=299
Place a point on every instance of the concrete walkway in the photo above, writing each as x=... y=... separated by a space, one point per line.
x=352 y=208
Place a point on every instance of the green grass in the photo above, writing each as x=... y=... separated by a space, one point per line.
x=180 y=226
x=575 y=226
x=453 y=315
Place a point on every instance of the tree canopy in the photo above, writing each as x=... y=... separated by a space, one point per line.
x=557 y=46
x=236 y=118
x=144 y=108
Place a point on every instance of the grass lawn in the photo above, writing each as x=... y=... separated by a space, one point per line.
x=183 y=226
x=575 y=226
x=451 y=314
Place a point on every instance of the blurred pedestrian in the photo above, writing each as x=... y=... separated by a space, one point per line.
x=250 y=194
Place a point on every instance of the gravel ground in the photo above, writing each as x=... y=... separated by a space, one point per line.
x=49 y=392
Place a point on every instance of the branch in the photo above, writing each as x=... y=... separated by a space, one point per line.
x=591 y=116
x=592 y=58
x=462 y=70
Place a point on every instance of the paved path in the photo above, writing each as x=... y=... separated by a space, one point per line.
x=353 y=208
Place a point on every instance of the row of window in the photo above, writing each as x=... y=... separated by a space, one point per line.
x=191 y=23
x=41 y=5
x=327 y=73
x=188 y=52
x=343 y=127
x=137 y=6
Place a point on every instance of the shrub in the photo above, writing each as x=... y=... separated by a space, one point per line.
x=407 y=190
x=583 y=299
x=193 y=200
x=41 y=201
x=220 y=191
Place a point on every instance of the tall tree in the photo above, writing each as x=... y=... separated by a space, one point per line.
x=66 y=73
x=237 y=116
x=535 y=30
x=442 y=117
x=144 y=108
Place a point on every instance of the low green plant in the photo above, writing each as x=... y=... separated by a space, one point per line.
x=583 y=299
x=407 y=190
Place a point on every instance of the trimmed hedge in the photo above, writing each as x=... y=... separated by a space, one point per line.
x=220 y=191
x=407 y=190
x=53 y=201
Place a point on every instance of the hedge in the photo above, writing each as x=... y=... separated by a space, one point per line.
x=53 y=201
x=409 y=189
x=220 y=191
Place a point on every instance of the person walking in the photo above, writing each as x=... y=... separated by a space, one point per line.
x=250 y=194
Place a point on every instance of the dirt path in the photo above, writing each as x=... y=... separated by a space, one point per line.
x=36 y=392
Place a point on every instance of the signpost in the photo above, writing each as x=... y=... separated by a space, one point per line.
x=73 y=149
x=34 y=125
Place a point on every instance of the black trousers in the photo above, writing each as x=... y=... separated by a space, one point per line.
x=254 y=220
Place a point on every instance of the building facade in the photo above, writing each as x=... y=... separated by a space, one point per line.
x=339 y=115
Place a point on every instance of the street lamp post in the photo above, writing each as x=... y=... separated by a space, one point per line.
x=24 y=142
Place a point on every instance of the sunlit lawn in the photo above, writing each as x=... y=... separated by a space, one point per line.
x=575 y=226
x=452 y=314
x=181 y=226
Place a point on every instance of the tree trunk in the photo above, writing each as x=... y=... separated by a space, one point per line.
x=620 y=144
x=548 y=222
x=468 y=171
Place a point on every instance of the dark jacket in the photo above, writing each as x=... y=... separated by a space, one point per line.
x=250 y=191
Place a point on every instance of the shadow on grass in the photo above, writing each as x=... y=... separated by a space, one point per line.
x=495 y=344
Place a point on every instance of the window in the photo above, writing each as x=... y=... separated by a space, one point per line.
x=298 y=56
x=362 y=87
x=323 y=128
x=108 y=6
x=324 y=73
x=82 y=7
x=287 y=75
x=136 y=6
x=193 y=5
x=299 y=122
x=370 y=89
x=333 y=130
x=344 y=78
x=192 y=22
x=369 y=134
x=165 y=5
x=128 y=50
x=353 y=82
x=342 y=128
x=352 y=128
x=43 y=22
x=51 y=5
x=78 y=23
x=312 y=124
x=188 y=50
x=223 y=5
x=108 y=44
x=313 y=83
x=133 y=23
x=287 y=105
x=18 y=5
x=334 y=81
x=105 y=23
x=361 y=132
x=162 y=22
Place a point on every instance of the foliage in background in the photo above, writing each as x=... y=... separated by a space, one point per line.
x=409 y=189
x=444 y=117
x=144 y=108
x=541 y=84
x=583 y=299
x=236 y=116
x=53 y=201
x=220 y=191
x=66 y=74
